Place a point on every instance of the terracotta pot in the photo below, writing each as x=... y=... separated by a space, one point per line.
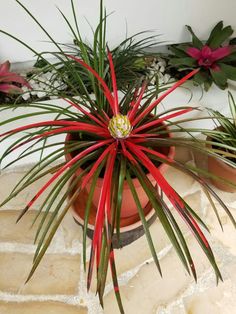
x=128 y=207
x=223 y=170
x=131 y=228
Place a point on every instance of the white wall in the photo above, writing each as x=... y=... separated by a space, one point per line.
x=166 y=17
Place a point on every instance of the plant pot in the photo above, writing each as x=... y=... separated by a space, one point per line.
x=131 y=228
x=223 y=170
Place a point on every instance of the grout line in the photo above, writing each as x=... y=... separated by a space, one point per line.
x=9 y=247
x=68 y=299
x=91 y=300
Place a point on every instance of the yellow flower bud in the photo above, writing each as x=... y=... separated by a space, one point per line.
x=119 y=126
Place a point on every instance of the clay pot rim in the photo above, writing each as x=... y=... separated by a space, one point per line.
x=223 y=164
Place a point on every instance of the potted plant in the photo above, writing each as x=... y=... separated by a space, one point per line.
x=222 y=140
x=214 y=57
x=117 y=141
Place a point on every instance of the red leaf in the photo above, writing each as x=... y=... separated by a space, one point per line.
x=168 y=190
x=159 y=120
x=58 y=131
x=157 y=101
x=4 y=68
x=102 y=124
x=161 y=181
x=220 y=53
x=62 y=169
x=103 y=206
x=114 y=85
x=133 y=111
x=10 y=88
x=143 y=136
x=40 y=124
x=107 y=92
x=127 y=153
x=194 y=52
x=12 y=77
x=96 y=165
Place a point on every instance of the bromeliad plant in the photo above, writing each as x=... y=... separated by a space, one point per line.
x=214 y=57
x=118 y=140
x=10 y=82
x=114 y=138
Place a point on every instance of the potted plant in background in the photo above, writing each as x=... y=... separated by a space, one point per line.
x=54 y=73
x=131 y=59
x=113 y=139
x=223 y=134
x=214 y=57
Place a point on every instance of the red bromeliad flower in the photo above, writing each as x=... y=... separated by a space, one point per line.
x=123 y=141
x=8 y=80
x=207 y=57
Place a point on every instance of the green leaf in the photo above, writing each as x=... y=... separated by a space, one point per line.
x=70 y=190
x=229 y=70
x=181 y=239
x=207 y=85
x=102 y=268
x=193 y=171
x=121 y=180
x=229 y=58
x=54 y=228
x=232 y=105
x=115 y=282
x=213 y=206
x=232 y=41
x=201 y=77
x=40 y=63
x=178 y=52
x=219 y=78
x=187 y=61
x=53 y=196
x=217 y=29
x=196 y=41
x=144 y=222
x=162 y=217
x=219 y=35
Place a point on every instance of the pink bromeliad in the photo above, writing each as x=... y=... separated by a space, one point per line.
x=207 y=57
x=8 y=80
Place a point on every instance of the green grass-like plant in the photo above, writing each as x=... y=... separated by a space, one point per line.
x=225 y=130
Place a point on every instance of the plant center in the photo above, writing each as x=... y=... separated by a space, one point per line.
x=119 y=126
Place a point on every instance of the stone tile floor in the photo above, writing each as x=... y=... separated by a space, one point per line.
x=59 y=284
